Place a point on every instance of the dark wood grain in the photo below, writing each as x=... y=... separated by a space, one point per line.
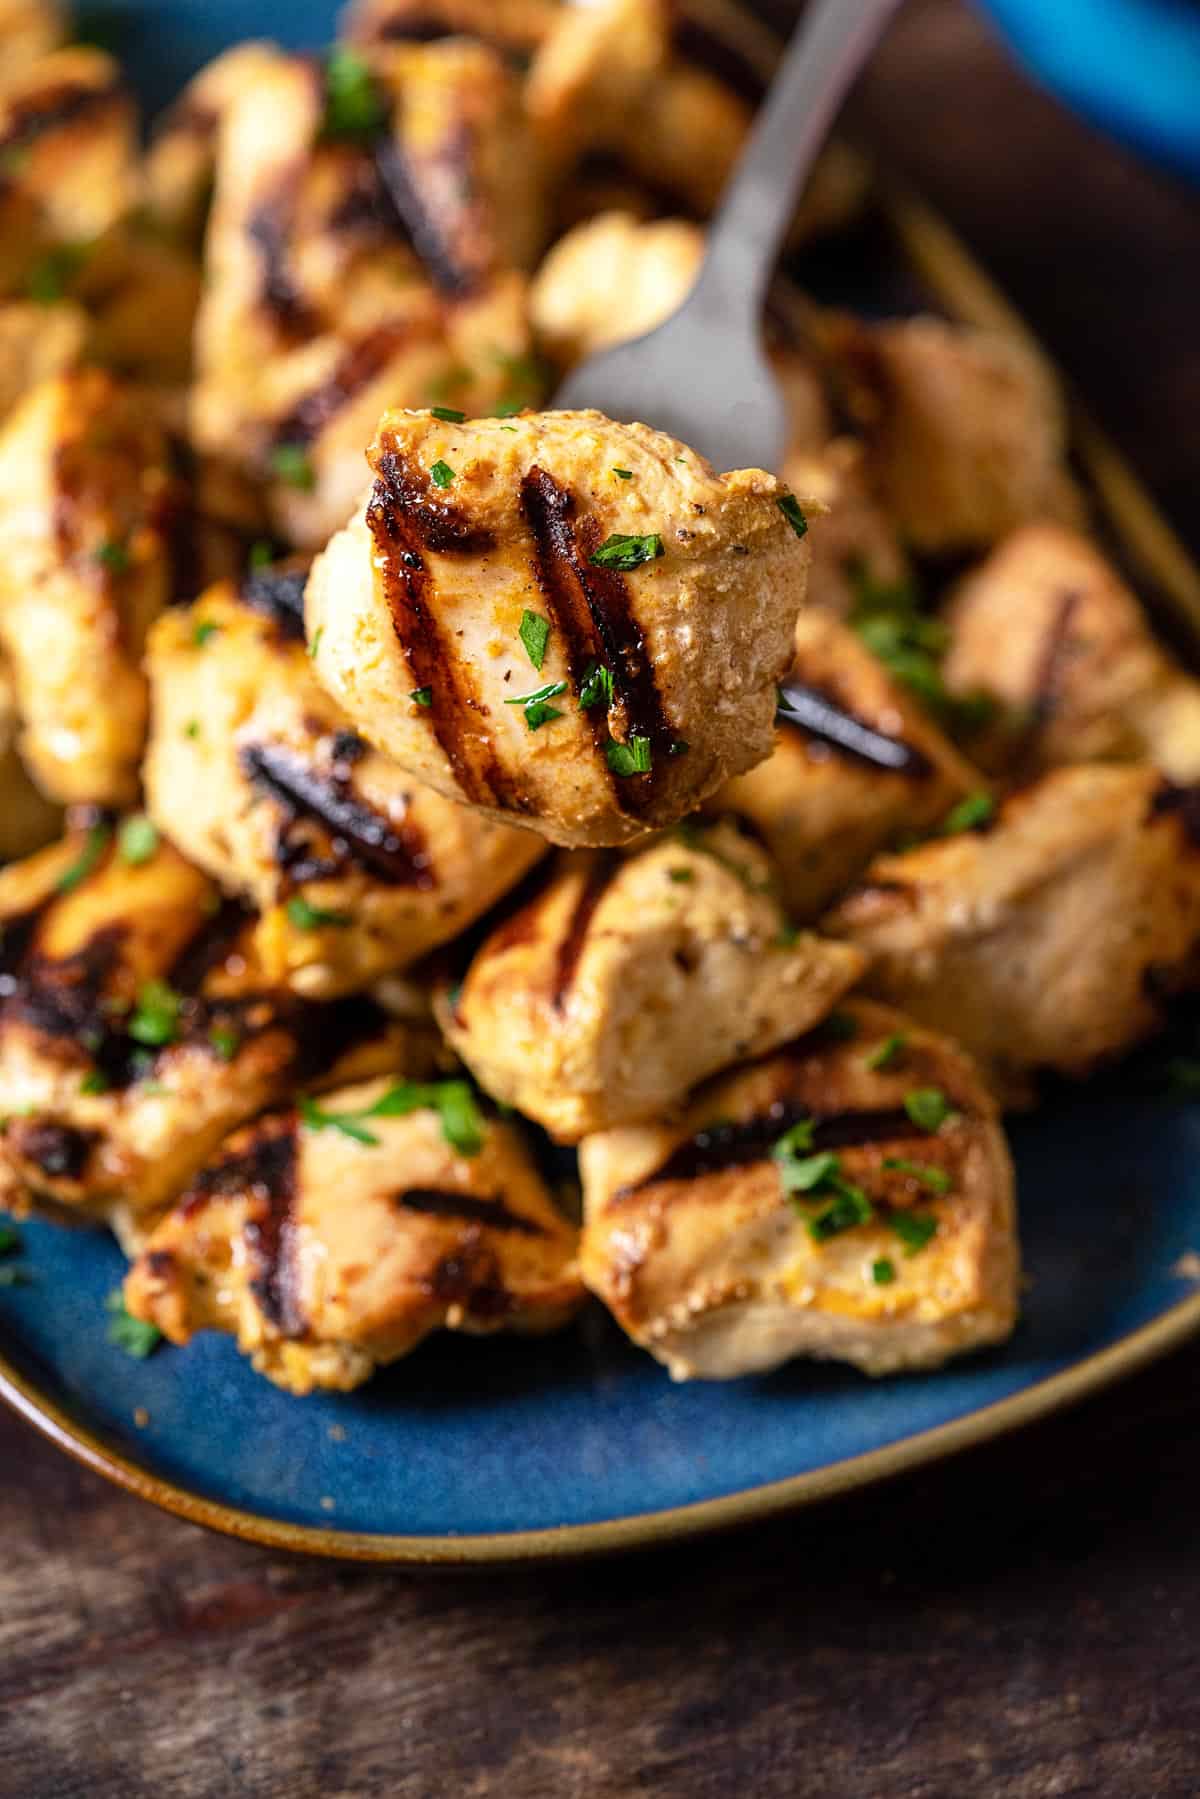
x=1017 y=1624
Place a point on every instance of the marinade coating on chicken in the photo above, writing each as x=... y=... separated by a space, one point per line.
x=965 y=429
x=348 y=273
x=1051 y=938
x=1048 y=629
x=869 y=1239
x=137 y=1029
x=626 y=981
x=329 y=1254
x=181 y=161
x=857 y=763
x=36 y=343
x=87 y=500
x=659 y=597
x=355 y=869
x=513 y=27
x=29 y=29
x=856 y=552
x=28 y=820
x=68 y=139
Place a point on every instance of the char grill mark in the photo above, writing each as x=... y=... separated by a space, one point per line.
x=362 y=363
x=439 y=1202
x=211 y=945
x=60 y=1151
x=404 y=521
x=279 y=594
x=265 y=1172
x=740 y=1145
x=693 y=42
x=392 y=852
x=410 y=193
x=817 y=714
x=471 y=1278
x=593 y=612
x=1183 y=803
x=34 y=115
x=269 y=229
x=570 y=948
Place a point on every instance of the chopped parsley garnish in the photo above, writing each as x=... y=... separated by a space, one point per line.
x=422 y=696
x=114 y=557
x=799 y=1138
x=789 y=505
x=975 y=810
x=261 y=555
x=96 y=842
x=808 y=1177
x=681 y=876
x=453 y=1101
x=928 y=1108
x=96 y=1081
x=887 y=1053
x=935 y=1179
x=290 y=463
x=448 y=415
x=50 y=278
x=883 y=1271
x=10 y=1242
x=354 y=107
x=133 y=1335
x=534 y=632
x=315 y=645
x=840 y=1027
x=224 y=1041
x=537 y=712
x=787 y=936
x=155 y=1018
x=850 y=1207
x=622 y=552
x=623 y=474
x=137 y=839
x=442 y=473
x=914 y=1229
x=204 y=630
x=597 y=686
x=525 y=380
x=192 y=728
x=306 y=917
x=806 y=1174
x=632 y=758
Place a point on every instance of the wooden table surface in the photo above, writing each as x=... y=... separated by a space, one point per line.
x=1016 y=1624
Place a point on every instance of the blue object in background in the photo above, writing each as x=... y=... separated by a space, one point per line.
x=1133 y=66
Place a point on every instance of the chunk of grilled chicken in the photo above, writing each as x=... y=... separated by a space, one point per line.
x=593 y=74
x=857 y=762
x=68 y=138
x=86 y=501
x=627 y=981
x=855 y=549
x=131 y=277
x=252 y=770
x=36 y=343
x=1047 y=628
x=965 y=429
x=897 y=1248
x=181 y=162
x=1052 y=939
x=28 y=820
x=29 y=29
x=318 y=312
x=472 y=533
x=329 y=1254
x=514 y=27
x=136 y=1028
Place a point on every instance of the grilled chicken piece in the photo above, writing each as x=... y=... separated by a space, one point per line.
x=1055 y=938
x=133 y=277
x=856 y=763
x=855 y=549
x=68 y=142
x=28 y=820
x=430 y=587
x=514 y=27
x=319 y=313
x=627 y=981
x=255 y=774
x=136 y=1028
x=594 y=74
x=965 y=429
x=36 y=343
x=1047 y=628
x=181 y=162
x=329 y=1254
x=86 y=504
x=29 y=29
x=897 y=1248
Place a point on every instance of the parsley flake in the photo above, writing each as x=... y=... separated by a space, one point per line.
x=307 y=917
x=354 y=107
x=623 y=552
x=537 y=712
x=453 y=1101
x=192 y=728
x=49 y=279
x=914 y=1229
x=597 y=686
x=623 y=474
x=448 y=415
x=789 y=505
x=935 y=1179
x=632 y=758
x=155 y=1018
x=928 y=1108
x=681 y=876
x=133 y=1335
x=96 y=842
x=95 y=1081
x=422 y=696
x=975 y=810
x=534 y=632
x=137 y=840
x=10 y=1242
x=442 y=473
x=114 y=557
x=883 y=1271
x=224 y=1042
x=315 y=645
x=260 y=555
x=887 y=1053
x=204 y=630
x=290 y=463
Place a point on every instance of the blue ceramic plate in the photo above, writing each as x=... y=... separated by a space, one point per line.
x=493 y=1450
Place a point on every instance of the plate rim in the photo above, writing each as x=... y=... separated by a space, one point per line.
x=967 y=292
x=641 y=1530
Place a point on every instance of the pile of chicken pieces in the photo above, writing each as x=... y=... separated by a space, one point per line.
x=376 y=823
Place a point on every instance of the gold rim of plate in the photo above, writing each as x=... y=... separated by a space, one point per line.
x=1153 y=549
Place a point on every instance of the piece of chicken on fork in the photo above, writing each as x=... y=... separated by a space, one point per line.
x=137 y=1029
x=87 y=501
x=857 y=763
x=29 y=30
x=1052 y=937
x=848 y=1198
x=627 y=981
x=355 y=868
x=331 y=1241
x=368 y=221
x=1047 y=629
x=563 y=621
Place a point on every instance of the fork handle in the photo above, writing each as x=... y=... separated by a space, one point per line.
x=827 y=50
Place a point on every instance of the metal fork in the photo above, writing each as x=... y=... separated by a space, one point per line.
x=702 y=375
